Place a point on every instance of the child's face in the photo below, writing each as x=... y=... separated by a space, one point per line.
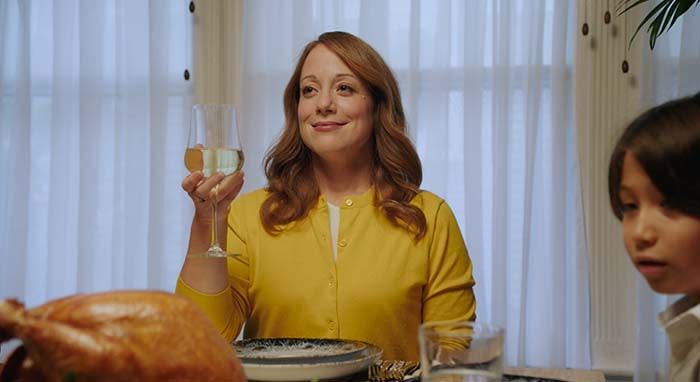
x=663 y=243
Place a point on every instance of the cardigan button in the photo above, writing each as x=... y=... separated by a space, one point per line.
x=348 y=202
x=343 y=243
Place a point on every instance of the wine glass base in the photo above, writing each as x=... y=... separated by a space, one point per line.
x=216 y=251
x=213 y=252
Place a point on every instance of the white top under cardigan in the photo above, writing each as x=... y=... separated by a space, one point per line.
x=334 y=213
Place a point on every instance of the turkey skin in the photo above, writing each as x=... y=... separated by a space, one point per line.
x=115 y=336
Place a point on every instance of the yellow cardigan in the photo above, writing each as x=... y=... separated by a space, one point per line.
x=381 y=287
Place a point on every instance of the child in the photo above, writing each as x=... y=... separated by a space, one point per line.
x=654 y=187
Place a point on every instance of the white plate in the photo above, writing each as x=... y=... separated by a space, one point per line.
x=296 y=350
x=285 y=370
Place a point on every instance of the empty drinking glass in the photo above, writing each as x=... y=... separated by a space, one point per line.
x=461 y=351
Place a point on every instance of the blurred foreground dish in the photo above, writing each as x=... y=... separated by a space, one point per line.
x=115 y=336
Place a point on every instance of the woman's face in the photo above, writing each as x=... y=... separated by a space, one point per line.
x=663 y=243
x=335 y=109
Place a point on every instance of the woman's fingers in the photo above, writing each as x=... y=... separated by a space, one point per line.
x=190 y=183
x=222 y=188
x=230 y=187
x=200 y=188
x=206 y=188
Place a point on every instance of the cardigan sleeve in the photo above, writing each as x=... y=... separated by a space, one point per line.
x=449 y=293
x=228 y=309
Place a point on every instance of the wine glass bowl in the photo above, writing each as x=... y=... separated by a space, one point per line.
x=461 y=351
x=213 y=146
x=211 y=161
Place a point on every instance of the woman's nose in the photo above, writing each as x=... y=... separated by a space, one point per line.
x=325 y=103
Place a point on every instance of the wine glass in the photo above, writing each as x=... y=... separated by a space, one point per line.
x=462 y=351
x=213 y=146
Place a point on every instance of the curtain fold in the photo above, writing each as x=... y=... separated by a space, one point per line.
x=93 y=121
x=488 y=92
x=14 y=79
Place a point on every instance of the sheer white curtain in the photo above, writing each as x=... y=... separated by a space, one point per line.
x=487 y=86
x=93 y=111
x=672 y=71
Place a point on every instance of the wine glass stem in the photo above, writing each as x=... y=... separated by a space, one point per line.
x=215 y=220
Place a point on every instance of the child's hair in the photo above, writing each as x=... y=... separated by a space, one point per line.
x=666 y=142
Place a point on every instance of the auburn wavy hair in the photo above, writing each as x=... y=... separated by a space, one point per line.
x=396 y=168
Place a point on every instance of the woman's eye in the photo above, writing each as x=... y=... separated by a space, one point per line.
x=343 y=88
x=306 y=90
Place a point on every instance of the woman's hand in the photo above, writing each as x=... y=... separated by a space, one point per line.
x=203 y=191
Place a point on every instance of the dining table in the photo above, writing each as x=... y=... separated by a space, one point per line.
x=512 y=374
x=557 y=374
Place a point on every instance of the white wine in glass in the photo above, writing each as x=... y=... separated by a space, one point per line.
x=211 y=161
x=213 y=146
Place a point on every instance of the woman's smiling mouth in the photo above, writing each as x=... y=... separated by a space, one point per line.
x=325 y=126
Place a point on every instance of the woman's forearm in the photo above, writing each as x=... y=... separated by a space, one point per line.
x=207 y=275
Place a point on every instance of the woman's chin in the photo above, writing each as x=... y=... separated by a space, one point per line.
x=334 y=152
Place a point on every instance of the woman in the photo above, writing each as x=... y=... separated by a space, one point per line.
x=341 y=243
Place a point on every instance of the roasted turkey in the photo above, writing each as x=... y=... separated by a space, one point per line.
x=115 y=336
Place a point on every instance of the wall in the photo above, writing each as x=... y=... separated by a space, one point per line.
x=606 y=99
x=217 y=45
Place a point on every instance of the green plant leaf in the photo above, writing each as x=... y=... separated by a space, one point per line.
x=654 y=31
x=658 y=8
x=669 y=14
x=664 y=15
x=684 y=6
x=623 y=4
